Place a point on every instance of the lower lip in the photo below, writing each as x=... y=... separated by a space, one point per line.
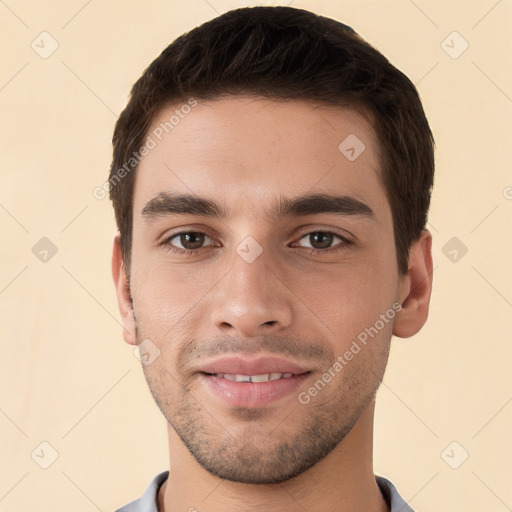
x=252 y=394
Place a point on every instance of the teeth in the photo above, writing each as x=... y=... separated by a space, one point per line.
x=264 y=377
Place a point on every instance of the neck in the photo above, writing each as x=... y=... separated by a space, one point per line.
x=343 y=481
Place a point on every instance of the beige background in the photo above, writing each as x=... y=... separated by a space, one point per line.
x=68 y=379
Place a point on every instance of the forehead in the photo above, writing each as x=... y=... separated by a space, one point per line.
x=245 y=151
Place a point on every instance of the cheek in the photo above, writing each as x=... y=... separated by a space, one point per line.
x=347 y=300
x=168 y=295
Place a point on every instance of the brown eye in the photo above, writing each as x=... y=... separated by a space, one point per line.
x=190 y=240
x=321 y=240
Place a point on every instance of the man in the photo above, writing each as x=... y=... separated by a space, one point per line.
x=271 y=180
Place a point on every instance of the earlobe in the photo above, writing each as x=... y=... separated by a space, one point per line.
x=124 y=299
x=415 y=289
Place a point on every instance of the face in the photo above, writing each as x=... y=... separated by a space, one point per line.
x=262 y=251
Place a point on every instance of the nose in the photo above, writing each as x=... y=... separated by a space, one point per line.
x=252 y=299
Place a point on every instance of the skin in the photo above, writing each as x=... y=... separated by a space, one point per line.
x=245 y=154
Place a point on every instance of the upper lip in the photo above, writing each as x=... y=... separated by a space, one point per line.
x=251 y=366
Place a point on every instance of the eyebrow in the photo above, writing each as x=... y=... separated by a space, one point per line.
x=179 y=204
x=165 y=204
x=312 y=204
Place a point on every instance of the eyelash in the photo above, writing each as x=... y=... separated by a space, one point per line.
x=168 y=247
x=345 y=242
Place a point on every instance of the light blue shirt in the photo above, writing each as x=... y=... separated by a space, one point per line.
x=149 y=500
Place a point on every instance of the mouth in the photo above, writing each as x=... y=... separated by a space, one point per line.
x=252 y=383
x=262 y=377
x=259 y=366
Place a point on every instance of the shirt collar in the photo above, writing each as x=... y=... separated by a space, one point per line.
x=149 y=500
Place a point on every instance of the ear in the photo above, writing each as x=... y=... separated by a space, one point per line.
x=123 y=293
x=415 y=289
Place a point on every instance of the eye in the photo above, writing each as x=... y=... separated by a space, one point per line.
x=322 y=240
x=189 y=241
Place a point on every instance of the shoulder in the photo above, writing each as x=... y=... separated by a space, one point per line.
x=148 y=501
x=395 y=502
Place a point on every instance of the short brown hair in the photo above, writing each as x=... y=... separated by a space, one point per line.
x=285 y=53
